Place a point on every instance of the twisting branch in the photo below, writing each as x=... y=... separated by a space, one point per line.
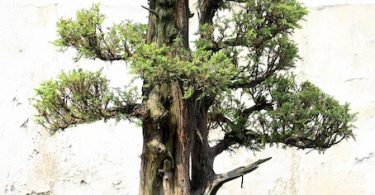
x=223 y=145
x=248 y=83
x=218 y=180
x=231 y=138
x=216 y=120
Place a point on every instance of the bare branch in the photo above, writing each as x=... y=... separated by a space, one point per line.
x=151 y=11
x=218 y=180
x=223 y=145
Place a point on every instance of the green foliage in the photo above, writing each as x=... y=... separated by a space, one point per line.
x=274 y=15
x=256 y=38
x=203 y=71
x=254 y=23
x=85 y=34
x=242 y=62
x=206 y=71
x=303 y=116
x=77 y=97
x=285 y=112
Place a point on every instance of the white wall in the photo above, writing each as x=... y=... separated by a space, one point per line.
x=337 y=44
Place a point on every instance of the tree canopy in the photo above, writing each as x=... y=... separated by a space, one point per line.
x=243 y=59
x=240 y=68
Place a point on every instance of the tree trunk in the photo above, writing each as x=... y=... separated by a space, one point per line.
x=202 y=157
x=167 y=131
x=175 y=131
x=167 y=138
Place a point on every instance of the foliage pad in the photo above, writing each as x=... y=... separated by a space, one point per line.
x=79 y=97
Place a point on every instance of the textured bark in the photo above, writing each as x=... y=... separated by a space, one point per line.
x=175 y=129
x=167 y=142
x=202 y=156
x=182 y=141
x=167 y=129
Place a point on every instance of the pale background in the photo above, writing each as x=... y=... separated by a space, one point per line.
x=337 y=43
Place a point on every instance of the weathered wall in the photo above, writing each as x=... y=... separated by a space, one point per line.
x=337 y=44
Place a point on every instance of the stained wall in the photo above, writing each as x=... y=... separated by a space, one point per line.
x=337 y=46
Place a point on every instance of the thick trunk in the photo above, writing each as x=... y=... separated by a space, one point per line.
x=167 y=143
x=167 y=131
x=175 y=131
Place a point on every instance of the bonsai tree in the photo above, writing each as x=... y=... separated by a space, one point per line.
x=235 y=77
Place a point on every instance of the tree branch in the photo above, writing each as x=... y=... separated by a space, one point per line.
x=306 y=143
x=81 y=97
x=218 y=180
x=218 y=117
x=257 y=107
x=247 y=83
x=223 y=145
x=151 y=11
x=218 y=120
x=207 y=9
x=85 y=34
x=230 y=138
x=132 y=110
x=107 y=56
